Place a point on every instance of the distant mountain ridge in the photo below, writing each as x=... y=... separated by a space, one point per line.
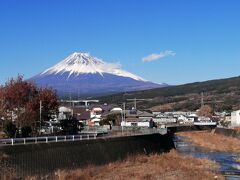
x=220 y=94
x=84 y=75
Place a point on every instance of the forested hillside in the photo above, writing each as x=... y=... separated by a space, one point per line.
x=222 y=94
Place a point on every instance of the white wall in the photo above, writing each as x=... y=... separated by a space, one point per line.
x=165 y=120
x=137 y=124
x=95 y=115
x=235 y=118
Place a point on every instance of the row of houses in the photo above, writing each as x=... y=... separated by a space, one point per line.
x=223 y=118
x=92 y=115
x=175 y=117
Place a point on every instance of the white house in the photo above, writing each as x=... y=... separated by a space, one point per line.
x=116 y=109
x=164 y=119
x=235 y=118
x=135 y=123
x=96 y=112
x=136 y=118
x=64 y=112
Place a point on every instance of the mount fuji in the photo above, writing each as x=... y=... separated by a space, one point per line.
x=85 y=75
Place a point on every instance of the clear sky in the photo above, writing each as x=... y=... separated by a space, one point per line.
x=171 y=41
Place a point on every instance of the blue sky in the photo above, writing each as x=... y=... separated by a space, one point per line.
x=194 y=40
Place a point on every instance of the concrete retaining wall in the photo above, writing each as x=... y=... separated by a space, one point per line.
x=227 y=132
x=189 y=128
x=45 y=158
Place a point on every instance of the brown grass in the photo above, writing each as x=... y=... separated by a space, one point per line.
x=237 y=129
x=170 y=166
x=6 y=172
x=213 y=141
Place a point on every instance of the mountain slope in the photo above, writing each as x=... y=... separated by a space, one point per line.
x=85 y=75
x=83 y=63
x=222 y=94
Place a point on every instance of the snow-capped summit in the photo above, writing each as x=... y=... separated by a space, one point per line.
x=83 y=74
x=84 y=63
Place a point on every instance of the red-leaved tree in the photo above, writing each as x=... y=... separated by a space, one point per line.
x=19 y=102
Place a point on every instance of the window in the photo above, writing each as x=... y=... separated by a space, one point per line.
x=134 y=124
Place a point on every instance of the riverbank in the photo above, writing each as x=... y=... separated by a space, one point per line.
x=213 y=141
x=168 y=166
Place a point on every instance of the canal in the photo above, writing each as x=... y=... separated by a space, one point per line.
x=229 y=162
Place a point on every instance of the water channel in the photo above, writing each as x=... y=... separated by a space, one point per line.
x=229 y=162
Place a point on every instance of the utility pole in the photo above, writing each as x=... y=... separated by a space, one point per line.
x=123 y=116
x=124 y=109
x=135 y=101
x=202 y=101
x=40 y=114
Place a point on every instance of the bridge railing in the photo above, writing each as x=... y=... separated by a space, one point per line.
x=47 y=139
x=83 y=136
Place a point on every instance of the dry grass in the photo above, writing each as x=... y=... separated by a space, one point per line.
x=237 y=129
x=213 y=141
x=170 y=166
x=6 y=172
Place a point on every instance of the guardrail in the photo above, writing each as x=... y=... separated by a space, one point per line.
x=47 y=139
x=84 y=136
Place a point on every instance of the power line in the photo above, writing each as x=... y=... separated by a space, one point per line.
x=135 y=101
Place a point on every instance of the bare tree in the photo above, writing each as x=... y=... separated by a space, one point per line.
x=205 y=111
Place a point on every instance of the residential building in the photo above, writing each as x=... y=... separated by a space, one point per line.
x=137 y=118
x=235 y=118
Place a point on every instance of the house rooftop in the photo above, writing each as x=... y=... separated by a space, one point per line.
x=137 y=113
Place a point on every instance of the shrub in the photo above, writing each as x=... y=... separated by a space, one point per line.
x=70 y=126
x=10 y=129
x=26 y=131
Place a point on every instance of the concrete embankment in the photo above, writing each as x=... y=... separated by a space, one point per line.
x=45 y=158
x=228 y=132
x=174 y=129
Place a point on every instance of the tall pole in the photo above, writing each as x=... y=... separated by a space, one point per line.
x=124 y=114
x=123 y=117
x=40 y=114
x=202 y=102
x=135 y=104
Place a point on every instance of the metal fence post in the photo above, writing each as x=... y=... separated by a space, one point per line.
x=95 y=136
x=24 y=141
x=12 y=141
x=73 y=137
x=56 y=139
x=35 y=140
x=65 y=138
x=46 y=139
x=80 y=137
x=88 y=136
